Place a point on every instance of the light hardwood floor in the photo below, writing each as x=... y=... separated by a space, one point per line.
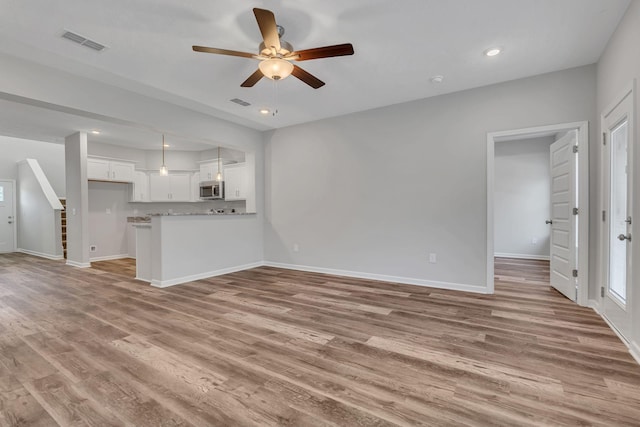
x=278 y=347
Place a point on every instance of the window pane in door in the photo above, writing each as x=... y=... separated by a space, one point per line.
x=618 y=209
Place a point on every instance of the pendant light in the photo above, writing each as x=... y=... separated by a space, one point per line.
x=164 y=170
x=219 y=174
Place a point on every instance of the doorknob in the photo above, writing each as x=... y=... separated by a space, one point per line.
x=622 y=237
x=549 y=221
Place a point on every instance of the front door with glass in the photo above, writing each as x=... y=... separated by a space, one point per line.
x=618 y=217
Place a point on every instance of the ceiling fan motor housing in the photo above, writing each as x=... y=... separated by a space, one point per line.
x=285 y=49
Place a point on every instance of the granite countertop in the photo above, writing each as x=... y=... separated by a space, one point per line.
x=138 y=219
x=200 y=214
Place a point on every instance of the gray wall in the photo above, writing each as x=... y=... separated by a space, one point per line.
x=108 y=231
x=50 y=156
x=522 y=198
x=378 y=191
x=618 y=66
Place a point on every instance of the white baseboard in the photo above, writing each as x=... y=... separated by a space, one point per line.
x=41 y=254
x=79 y=264
x=523 y=256
x=395 y=279
x=185 y=279
x=633 y=347
x=109 y=257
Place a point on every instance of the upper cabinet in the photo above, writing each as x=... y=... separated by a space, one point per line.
x=235 y=182
x=110 y=170
x=140 y=188
x=176 y=187
x=209 y=170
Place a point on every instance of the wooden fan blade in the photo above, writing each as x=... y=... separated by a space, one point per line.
x=322 y=52
x=253 y=79
x=267 y=23
x=309 y=79
x=223 y=52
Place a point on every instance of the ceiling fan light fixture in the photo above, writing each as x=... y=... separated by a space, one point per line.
x=276 y=68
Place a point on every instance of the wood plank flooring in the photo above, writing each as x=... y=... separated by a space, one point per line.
x=272 y=347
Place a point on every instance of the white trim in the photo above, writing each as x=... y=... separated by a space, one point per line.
x=583 y=197
x=479 y=289
x=40 y=254
x=185 y=279
x=109 y=257
x=634 y=349
x=595 y=305
x=78 y=264
x=522 y=256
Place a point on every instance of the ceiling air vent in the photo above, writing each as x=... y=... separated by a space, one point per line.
x=77 y=38
x=240 y=102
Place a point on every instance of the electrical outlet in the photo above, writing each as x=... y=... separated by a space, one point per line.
x=534 y=240
x=93 y=248
x=433 y=258
x=296 y=248
x=108 y=211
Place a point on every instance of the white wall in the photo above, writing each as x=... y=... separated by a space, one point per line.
x=212 y=244
x=39 y=228
x=522 y=198
x=50 y=156
x=77 y=200
x=618 y=66
x=377 y=191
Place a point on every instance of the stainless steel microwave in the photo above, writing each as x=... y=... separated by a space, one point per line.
x=211 y=190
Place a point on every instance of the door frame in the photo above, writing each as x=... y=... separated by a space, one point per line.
x=602 y=263
x=15 y=218
x=583 y=196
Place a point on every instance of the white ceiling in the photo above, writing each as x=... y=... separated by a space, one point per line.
x=398 y=46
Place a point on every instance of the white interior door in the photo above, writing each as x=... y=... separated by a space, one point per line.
x=7 y=217
x=564 y=248
x=617 y=169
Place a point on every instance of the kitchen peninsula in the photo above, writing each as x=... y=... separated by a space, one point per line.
x=178 y=248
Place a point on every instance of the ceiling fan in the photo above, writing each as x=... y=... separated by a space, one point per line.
x=275 y=55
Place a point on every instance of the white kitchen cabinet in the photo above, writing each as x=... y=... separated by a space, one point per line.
x=176 y=187
x=209 y=170
x=195 y=187
x=140 y=188
x=235 y=182
x=110 y=170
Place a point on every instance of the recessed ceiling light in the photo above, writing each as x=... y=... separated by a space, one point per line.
x=95 y=132
x=265 y=111
x=493 y=51
x=436 y=79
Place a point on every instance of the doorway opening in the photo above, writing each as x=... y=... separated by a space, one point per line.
x=537 y=213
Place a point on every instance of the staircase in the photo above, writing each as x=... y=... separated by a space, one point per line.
x=63 y=222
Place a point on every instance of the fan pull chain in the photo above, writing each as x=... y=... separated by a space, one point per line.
x=275 y=98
